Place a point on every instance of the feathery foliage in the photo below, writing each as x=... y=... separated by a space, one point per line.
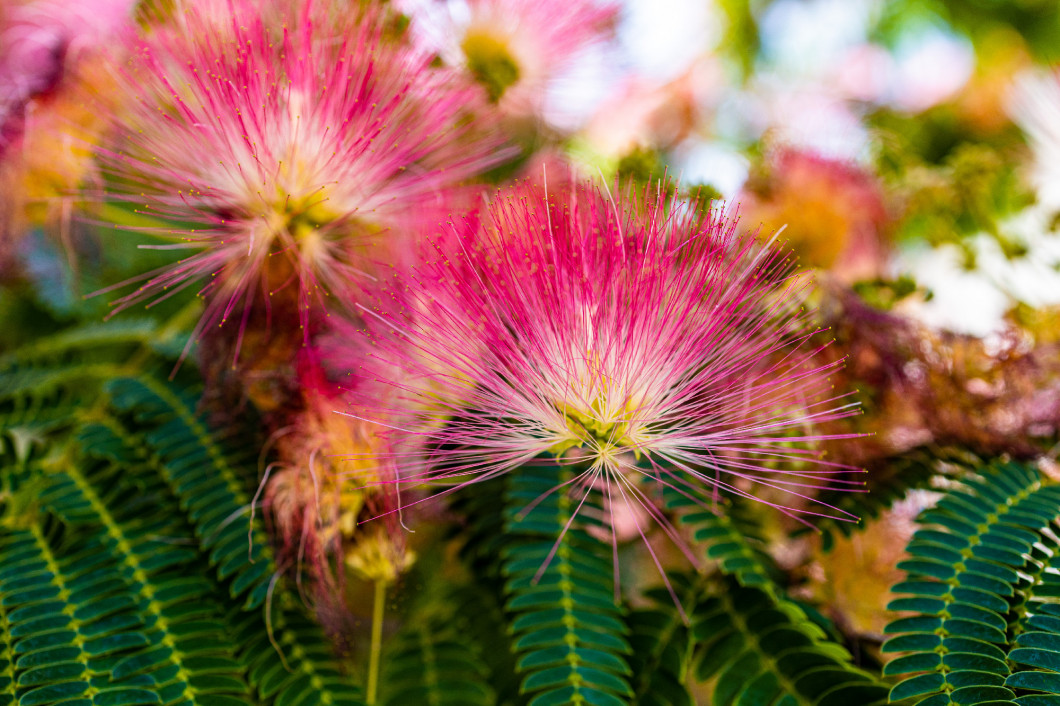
x=978 y=590
x=748 y=636
x=763 y=651
x=432 y=663
x=662 y=651
x=131 y=572
x=732 y=538
x=569 y=631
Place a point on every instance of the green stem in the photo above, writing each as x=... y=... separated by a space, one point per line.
x=377 y=641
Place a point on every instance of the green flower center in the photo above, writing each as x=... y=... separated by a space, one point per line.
x=490 y=62
x=598 y=430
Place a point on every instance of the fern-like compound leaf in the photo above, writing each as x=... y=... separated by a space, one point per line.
x=761 y=651
x=568 y=630
x=731 y=537
x=1034 y=617
x=288 y=659
x=180 y=605
x=70 y=619
x=7 y=660
x=978 y=559
x=91 y=338
x=663 y=647
x=206 y=478
x=756 y=643
x=130 y=572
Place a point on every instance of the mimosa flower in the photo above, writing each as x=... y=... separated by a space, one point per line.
x=513 y=47
x=641 y=346
x=295 y=155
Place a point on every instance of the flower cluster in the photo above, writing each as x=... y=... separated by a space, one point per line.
x=834 y=212
x=517 y=291
x=301 y=157
x=315 y=498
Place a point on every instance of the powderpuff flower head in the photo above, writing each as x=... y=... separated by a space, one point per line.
x=514 y=48
x=643 y=344
x=297 y=154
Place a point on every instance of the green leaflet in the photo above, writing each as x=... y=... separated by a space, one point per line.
x=292 y=665
x=979 y=594
x=479 y=617
x=568 y=631
x=94 y=337
x=663 y=648
x=731 y=537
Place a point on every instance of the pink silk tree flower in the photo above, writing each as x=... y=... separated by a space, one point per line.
x=297 y=156
x=645 y=343
x=514 y=48
x=835 y=212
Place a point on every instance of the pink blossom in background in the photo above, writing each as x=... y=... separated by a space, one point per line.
x=864 y=73
x=833 y=211
x=522 y=44
x=644 y=112
x=634 y=340
x=298 y=157
x=807 y=116
x=56 y=59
